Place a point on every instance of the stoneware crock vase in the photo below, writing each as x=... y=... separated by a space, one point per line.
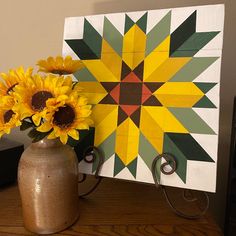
x=48 y=184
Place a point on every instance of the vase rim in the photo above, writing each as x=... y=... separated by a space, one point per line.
x=45 y=143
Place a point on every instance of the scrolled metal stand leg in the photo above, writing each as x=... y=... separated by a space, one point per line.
x=94 y=152
x=170 y=160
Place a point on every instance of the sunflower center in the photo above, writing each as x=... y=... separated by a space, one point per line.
x=39 y=99
x=11 y=88
x=8 y=115
x=64 y=117
x=60 y=72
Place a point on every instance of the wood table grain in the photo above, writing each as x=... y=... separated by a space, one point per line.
x=116 y=208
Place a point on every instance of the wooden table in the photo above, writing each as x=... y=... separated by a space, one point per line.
x=116 y=208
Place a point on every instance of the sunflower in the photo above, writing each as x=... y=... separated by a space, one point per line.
x=33 y=95
x=13 y=78
x=9 y=117
x=65 y=120
x=59 y=65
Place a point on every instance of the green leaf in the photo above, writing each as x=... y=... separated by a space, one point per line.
x=82 y=135
x=40 y=136
x=36 y=135
x=85 y=132
x=72 y=142
x=26 y=125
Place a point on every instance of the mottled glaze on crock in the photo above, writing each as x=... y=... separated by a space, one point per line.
x=48 y=184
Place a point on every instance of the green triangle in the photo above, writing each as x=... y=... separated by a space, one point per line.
x=205 y=87
x=128 y=23
x=84 y=75
x=158 y=33
x=146 y=147
x=205 y=103
x=191 y=120
x=112 y=36
x=133 y=167
x=108 y=146
x=142 y=23
x=118 y=166
x=92 y=38
x=194 y=43
x=193 y=69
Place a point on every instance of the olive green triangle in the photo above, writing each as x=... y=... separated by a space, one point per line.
x=194 y=43
x=142 y=23
x=92 y=38
x=146 y=147
x=108 y=146
x=147 y=152
x=169 y=146
x=84 y=75
x=112 y=36
x=158 y=33
x=191 y=120
x=204 y=102
x=193 y=69
x=133 y=167
x=128 y=23
x=118 y=166
x=205 y=87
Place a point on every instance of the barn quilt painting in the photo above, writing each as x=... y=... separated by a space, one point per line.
x=153 y=78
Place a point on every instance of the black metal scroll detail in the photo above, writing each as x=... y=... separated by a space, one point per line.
x=95 y=153
x=170 y=161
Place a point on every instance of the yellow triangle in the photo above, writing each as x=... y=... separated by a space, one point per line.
x=158 y=56
x=127 y=141
x=100 y=71
x=151 y=130
x=93 y=91
x=105 y=119
x=179 y=94
x=134 y=45
x=111 y=59
x=167 y=69
x=165 y=120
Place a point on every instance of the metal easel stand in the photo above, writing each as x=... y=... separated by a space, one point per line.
x=96 y=154
x=170 y=161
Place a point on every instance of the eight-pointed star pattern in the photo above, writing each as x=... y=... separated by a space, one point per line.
x=143 y=90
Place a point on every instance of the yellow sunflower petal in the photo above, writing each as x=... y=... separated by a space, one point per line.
x=68 y=81
x=64 y=138
x=45 y=127
x=78 y=65
x=52 y=135
x=82 y=125
x=51 y=63
x=68 y=61
x=36 y=119
x=74 y=134
x=82 y=100
x=59 y=61
x=1 y=133
x=85 y=111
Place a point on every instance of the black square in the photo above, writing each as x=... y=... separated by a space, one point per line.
x=130 y=93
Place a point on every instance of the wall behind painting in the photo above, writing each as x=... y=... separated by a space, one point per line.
x=32 y=29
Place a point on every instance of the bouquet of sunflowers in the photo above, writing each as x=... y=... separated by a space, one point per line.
x=49 y=103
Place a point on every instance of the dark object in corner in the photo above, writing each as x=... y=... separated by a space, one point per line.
x=86 y=140
x=10 y=153
x=230 y=214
